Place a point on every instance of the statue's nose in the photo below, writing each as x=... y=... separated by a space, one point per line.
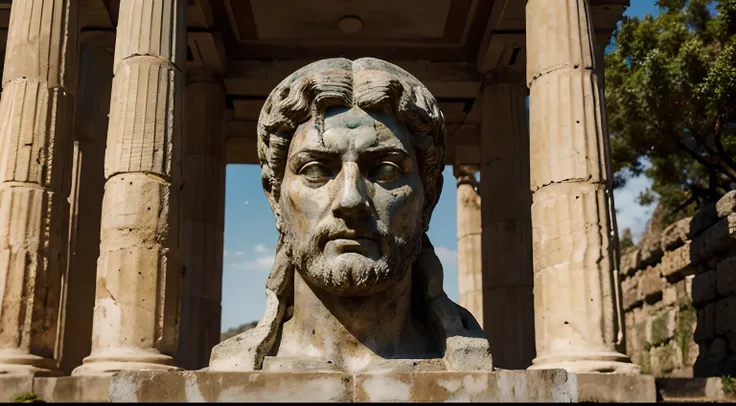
x=351 y=199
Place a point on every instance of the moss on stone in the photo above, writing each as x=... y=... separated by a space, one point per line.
x=729 y=385
x=646 y=363
x=28 y=398
x=684 y=330
x=659 y=328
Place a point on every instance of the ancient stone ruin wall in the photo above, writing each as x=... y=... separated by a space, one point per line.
x=679 y=295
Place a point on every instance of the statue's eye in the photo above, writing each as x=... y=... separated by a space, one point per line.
x=316 y=172
x=385 y=172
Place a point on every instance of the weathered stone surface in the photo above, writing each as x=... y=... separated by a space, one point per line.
x=73 y=389
x=677 y=263
x=469 y=242
x=703 y=219
x=716 y=239
x=202 y=220
x=727 y=204
x=572 y=209
x=507 y=224
x=12 y=386
x=706 y=327
x=663 y=326
x=665 y=358
x=631 y=291
x=508 y=386
x=651 y=283
x=360 y=311
x=136 y=318
x=675 y=234
x=231 y=387
x=691 y=389
x=629 y=261
x=725 y=314
x=726 y=277
x=613 y=388
x=501 y=386
x=704 y=288
x=36 y=116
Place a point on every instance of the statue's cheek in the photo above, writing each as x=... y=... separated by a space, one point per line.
x=306 y=205
x=403 y=203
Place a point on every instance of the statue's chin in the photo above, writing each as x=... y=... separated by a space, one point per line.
x=351 y=275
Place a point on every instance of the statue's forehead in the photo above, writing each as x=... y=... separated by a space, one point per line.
x=353 y=129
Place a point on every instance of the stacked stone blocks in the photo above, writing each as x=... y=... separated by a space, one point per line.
x=679 y=293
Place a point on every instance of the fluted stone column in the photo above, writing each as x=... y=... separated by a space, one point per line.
x=506 y=207
x=138 y=273
x=88 y=185
x=576 y=293
x=36 y=113
x=469 y=247
x=202 y=219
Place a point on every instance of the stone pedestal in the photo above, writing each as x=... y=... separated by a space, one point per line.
x=138 y=273
x=499 y=386
x=36 y=116
x=469 y=244
x=577 y=303
x=88 y=186
x=202 y=215
x=508 y=304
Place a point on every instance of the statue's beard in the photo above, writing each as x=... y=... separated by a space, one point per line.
x=353 y=274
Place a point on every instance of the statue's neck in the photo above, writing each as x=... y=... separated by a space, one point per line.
x=350 y=332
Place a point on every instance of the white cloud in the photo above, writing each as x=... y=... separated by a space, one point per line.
x=238 y=253
x=224 y=253
x=247 y=202
x=628 y=212
x=447 y=256
x=260 y=248
x=263 y=263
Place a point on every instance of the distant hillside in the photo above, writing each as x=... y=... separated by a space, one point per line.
x=237 y=330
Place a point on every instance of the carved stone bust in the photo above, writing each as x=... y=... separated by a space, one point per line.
x=352 y=154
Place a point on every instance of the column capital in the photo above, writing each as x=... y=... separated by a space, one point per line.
x=465 y=174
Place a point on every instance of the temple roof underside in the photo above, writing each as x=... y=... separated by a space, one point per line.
x=444 y=43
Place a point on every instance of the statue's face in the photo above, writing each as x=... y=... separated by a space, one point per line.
x=352 y=202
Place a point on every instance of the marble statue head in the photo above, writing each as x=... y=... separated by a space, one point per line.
x=352 y=154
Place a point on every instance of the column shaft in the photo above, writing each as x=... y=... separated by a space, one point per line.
x=469 y=248
x=36 y=113
x=136 y=315
x=88 y=184
x=507 y=241
x=577 y=304
x=202 y=229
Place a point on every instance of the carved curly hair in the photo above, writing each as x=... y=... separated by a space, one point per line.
x=371 y=84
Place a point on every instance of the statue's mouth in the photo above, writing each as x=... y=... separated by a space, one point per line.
x=355 y=241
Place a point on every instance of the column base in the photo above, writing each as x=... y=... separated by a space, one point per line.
x=19 y=363
x=110 y=361
x=604 y=362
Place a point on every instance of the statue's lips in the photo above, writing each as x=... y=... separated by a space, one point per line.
x=351 y=241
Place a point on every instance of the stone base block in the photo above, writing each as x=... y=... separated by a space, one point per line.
x=697 y=389
x=617 y=388
x=73 y=389
x=199 y=386
x=13 y=386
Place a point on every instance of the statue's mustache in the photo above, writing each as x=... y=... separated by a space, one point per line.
x=324 y=232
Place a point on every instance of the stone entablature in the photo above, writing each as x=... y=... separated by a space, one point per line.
x=679 y=290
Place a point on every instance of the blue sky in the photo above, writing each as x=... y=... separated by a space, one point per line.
x=250 y=232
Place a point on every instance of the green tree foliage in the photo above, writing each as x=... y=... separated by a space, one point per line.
x=671 y=97
x=626 y=240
